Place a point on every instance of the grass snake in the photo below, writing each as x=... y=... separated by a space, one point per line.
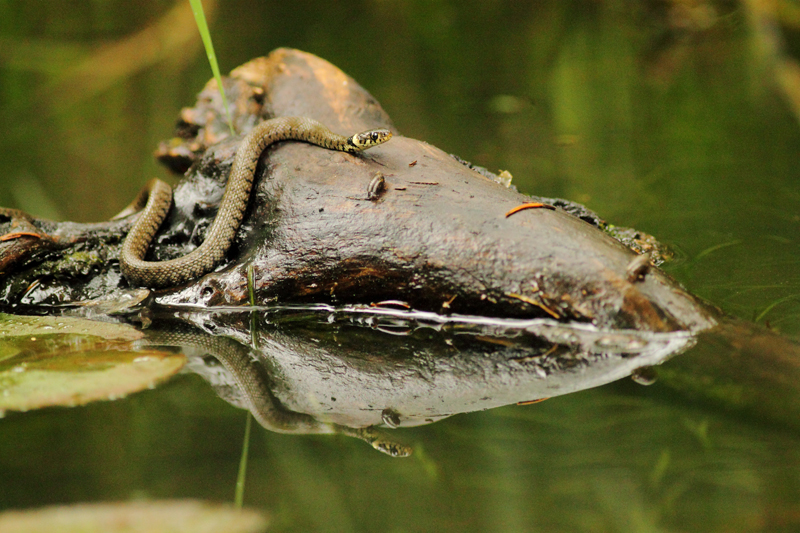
x=156 y=199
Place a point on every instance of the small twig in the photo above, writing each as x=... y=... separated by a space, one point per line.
x=530 y=205
x=18 y=234
x=531 y=402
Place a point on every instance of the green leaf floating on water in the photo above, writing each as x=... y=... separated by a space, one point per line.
x=134 y=517
x=48 y=361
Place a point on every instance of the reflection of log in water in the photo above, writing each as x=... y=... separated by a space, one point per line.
x=323 y=370
x=349 y=370
x=247 y=386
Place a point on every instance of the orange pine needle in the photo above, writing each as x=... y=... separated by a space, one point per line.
x=530 y=402
x=18 y=234
x=529 y=205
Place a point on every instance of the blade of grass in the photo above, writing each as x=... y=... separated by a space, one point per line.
x=202 y=25
x=239 y=497
x=771 y=306
x=715 y=248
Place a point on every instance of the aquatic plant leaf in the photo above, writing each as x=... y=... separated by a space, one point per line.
x=78 y=379
x=21 y=326
x=134 y=517
x=48 y=361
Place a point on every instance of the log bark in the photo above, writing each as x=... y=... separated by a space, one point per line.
x=437 y=237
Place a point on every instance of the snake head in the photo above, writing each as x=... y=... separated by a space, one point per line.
x=368 y=139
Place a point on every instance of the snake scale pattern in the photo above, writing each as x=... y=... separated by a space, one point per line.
x=157 y=200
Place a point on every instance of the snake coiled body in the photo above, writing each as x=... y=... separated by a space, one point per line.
x=221 y=232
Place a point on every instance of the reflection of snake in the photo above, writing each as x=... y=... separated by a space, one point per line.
x=222 y=231
x=251 y=382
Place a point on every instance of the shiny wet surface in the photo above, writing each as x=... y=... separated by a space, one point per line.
x=680 y=130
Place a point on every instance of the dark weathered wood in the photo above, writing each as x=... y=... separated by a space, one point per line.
x=436 y=237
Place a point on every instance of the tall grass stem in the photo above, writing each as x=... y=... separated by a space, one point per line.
x=239 y=498
x=202 y=25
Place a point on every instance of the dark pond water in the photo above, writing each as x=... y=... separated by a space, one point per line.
x=677 y=118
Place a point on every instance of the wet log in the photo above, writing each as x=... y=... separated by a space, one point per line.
x=440 y=236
